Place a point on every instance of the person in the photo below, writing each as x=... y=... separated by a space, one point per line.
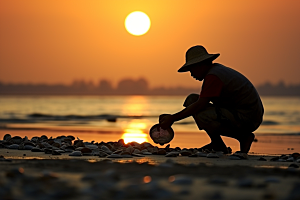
x=228 y=104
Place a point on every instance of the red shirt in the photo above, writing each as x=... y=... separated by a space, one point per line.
x=211 y=87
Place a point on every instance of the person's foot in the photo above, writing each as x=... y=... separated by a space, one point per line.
x=211 y=146
x=245 y=143
x=206 y=147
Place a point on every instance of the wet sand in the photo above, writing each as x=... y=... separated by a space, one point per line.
x=150 y=177
x=35 y=175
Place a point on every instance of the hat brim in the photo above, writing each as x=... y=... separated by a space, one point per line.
x=188 y=65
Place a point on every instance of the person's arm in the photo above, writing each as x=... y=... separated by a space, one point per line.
x=166 y=121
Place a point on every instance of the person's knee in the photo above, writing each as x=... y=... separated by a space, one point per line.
x=190 y=99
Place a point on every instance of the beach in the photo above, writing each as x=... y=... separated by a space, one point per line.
x=28 y=173
x=107 y=168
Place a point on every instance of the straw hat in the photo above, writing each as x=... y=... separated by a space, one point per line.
x=195 y=55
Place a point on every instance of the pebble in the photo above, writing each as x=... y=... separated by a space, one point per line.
x=136 y=151
x=126 y=156
x=35 y=149
x=106 y=149
x=220 y=153
x=71 y=137
x=161 y=152
x=56 y=144
x=7 y=137
x=212 y=155
x=16 y=140
x=262 y=159
x=298 y=161
x=44 y=137
x=91 y=146
x=294 y=165
x=114 y=156
x=274 y=159
x=182 y=180
x=28 y=147
x=85 y=150
x=290 y=159
x=172 y=154
x=185 y=153
x=102 y=154
x=295 y=155
x=75 y=153
x=147 y=153
x=72 y=148
x=144 y=150
x=117 y=152
x=78 y=143
x=13 y=146
x=138 y=155
x=34 y=139
x=234 y=157
x=201 y=154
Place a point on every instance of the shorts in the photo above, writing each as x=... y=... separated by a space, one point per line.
x=214 y=118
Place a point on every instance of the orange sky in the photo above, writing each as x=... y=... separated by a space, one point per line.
x=57 y=41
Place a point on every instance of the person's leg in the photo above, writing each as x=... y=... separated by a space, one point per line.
x=244 y=137
x=231 y=127
x=208 y=120
x=206 y=123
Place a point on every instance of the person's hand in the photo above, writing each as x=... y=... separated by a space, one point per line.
x=161 y=117
x=165 y=121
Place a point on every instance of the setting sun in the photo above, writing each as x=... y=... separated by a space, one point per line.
x=137 y=23
x=135 y=133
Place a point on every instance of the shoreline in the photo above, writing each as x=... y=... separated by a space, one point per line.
x=268 y=144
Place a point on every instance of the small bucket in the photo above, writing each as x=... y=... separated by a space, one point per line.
x=161 y=136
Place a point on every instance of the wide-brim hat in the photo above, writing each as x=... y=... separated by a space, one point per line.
x=196 y=54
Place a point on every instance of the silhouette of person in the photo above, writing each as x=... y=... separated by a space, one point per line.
x=228 y=104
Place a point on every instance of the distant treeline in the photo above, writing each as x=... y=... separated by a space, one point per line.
x=104 y=87
x=128 y=87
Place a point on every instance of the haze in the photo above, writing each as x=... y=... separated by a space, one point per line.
x=59 y=41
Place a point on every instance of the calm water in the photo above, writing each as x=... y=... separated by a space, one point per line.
x=282 y=114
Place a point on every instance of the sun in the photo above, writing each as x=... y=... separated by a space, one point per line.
x=137 y=23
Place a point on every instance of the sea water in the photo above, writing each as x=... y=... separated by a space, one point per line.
x=119 y=113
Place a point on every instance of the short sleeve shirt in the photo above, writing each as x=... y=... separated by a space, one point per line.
x=212 y=86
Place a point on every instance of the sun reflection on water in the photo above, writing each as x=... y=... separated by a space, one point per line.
x=135 y=133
